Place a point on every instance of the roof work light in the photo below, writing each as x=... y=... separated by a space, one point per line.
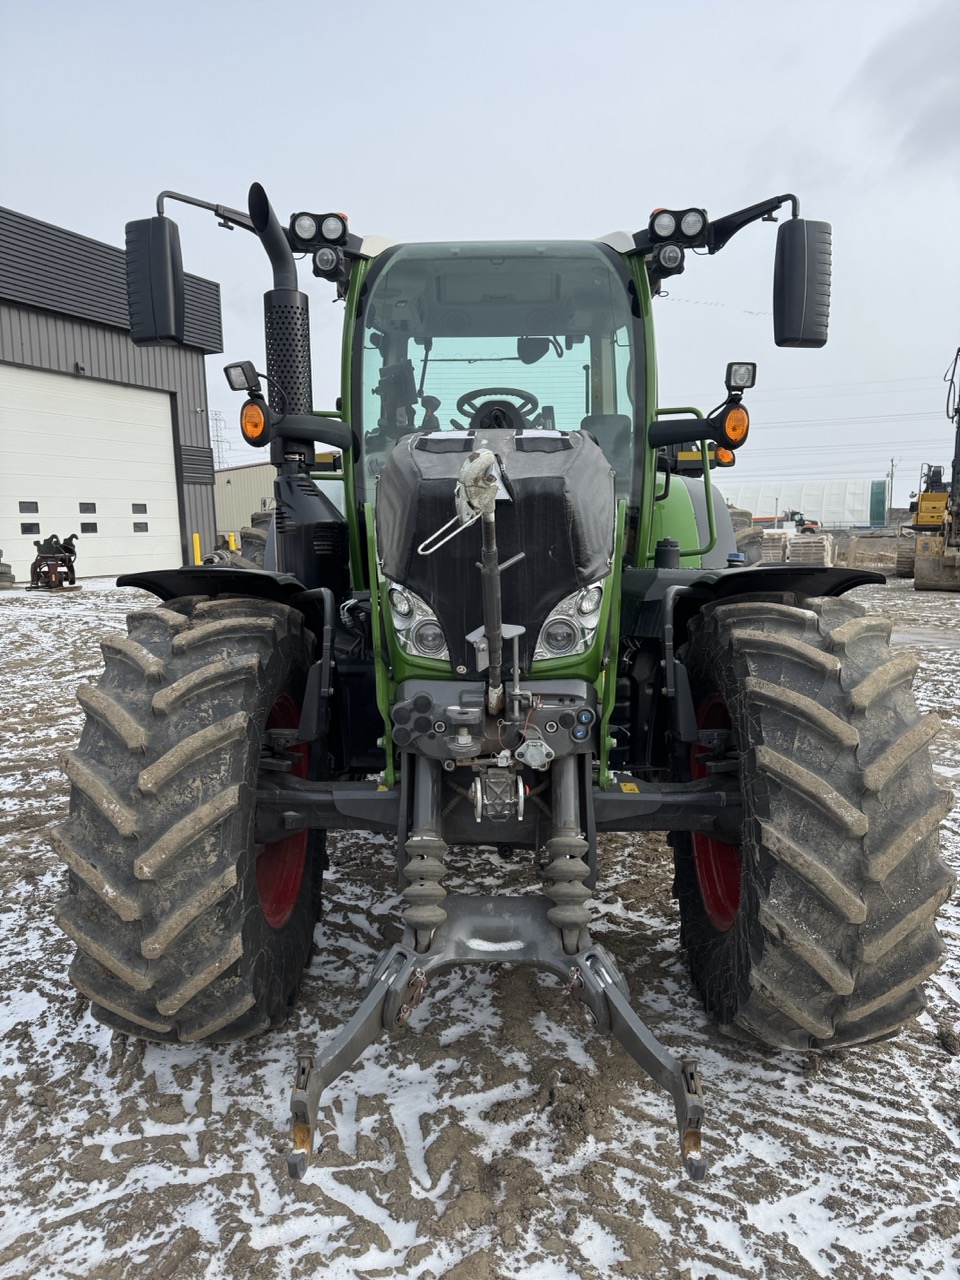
x=242 y=376
x=687 y=227
x=310 y=231
x=740 y=376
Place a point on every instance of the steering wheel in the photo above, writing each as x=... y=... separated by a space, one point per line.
x=469 y=403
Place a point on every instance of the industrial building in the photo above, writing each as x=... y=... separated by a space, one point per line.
x=840 y=504
x=242 y=491
x=98 y=437
x=239 y=492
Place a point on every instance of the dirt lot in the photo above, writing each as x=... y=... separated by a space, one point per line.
x=500 y=1137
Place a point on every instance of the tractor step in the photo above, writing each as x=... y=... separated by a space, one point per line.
x=485 y=930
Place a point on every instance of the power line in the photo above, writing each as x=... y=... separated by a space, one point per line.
x=828 y=386
x=805 y=393
x=858 y=448
x=827 y=390
x=836 y=422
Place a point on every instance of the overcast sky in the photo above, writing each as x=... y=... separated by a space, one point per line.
x=558 y=119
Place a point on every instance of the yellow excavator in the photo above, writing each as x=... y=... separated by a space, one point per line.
x=936 y=510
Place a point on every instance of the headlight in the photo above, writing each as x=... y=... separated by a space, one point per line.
x=589 y=600
x=692 y=222
x=305 y=226
x=572 y=624
x=326 y=259
x=664 y=224
x=427 y=638
x=333 y=227
x=670 y=256
x=415 y=624
x=559 y=636
x=401 y=602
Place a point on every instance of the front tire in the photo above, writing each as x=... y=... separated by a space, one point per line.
x=817 y=929
x=187 y=930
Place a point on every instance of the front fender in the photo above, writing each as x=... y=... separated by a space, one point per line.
x=215 y=580
x=645 y=590
x=805 y=580
x=227 y=580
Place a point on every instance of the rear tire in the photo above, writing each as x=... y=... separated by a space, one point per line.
x=818 y=928
x=186 y=929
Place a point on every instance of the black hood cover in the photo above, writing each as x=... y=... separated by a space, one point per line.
x=561 y=515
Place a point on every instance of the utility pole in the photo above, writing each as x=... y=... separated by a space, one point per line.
x=890 y=475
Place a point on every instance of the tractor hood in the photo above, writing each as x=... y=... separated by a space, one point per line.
x=557 y=510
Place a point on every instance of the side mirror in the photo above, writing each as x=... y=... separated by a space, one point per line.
x=801 y=284
x=154 y=282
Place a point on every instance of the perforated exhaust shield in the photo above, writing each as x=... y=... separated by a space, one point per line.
x=286 y=323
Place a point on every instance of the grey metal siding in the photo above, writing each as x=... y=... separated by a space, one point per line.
x=197 y=465
x=52 y=269
x=198 y=517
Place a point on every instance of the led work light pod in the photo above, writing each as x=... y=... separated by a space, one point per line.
x=304 y=228
x=242 y=376
x=670 y=259
x=692 y=223
x=309 y=231
x=333 y=228
x=741 y=376
x=327 y=261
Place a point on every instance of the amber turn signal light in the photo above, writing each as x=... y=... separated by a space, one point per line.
x=733 y=426
x=253 y=423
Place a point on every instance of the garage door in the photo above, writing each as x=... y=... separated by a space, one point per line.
x=90 y=458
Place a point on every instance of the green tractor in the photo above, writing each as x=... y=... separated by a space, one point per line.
x=522 y=624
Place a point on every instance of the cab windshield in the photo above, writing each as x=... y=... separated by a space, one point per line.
x=545 y=328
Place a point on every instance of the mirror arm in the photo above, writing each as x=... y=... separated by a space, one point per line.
x=315 y=429
x=229 y=218
x=723 y=229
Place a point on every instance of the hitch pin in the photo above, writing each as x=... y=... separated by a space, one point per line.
x=575 y=981
x=418 y=985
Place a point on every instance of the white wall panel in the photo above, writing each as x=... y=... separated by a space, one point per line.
x=70 y=440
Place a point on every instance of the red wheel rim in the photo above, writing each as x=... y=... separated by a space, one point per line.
x=280 y=865
x=718 y=865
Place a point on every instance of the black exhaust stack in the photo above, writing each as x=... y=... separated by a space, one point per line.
x=286 y=324
x=311 y=532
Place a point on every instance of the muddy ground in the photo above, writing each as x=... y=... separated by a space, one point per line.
x=500 y=1137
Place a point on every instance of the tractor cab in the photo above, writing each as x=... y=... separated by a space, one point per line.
x=528 y=337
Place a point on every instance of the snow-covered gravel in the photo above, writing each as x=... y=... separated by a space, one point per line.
x=499 y=1137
